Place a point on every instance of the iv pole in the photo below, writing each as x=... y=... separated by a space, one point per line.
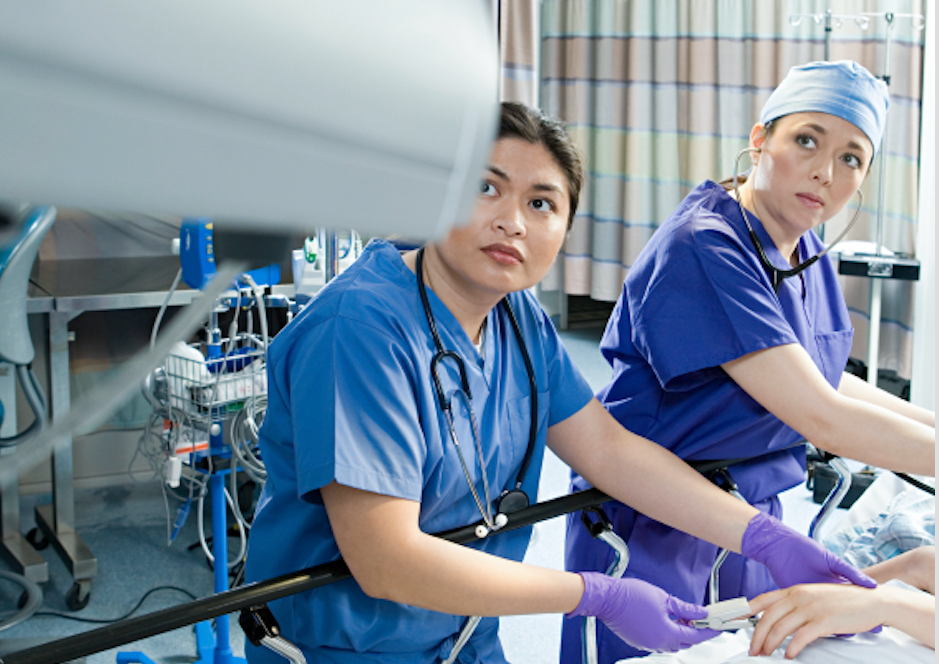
x=878 y=266
x=830 y=21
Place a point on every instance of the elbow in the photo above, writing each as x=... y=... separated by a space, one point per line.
x=828 y=444
x=824 y=425
x=373 y=584
x=380 y=581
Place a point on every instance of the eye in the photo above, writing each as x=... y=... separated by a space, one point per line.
x=544 y=205
x=806 y=141
x=486 y=188
x=852 y=160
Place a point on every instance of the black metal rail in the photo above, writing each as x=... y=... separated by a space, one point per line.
x=134 y=629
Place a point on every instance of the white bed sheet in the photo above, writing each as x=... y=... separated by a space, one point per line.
x=888 y=647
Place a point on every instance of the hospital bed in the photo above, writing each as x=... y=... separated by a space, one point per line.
x=886 y=495
x=890 y=645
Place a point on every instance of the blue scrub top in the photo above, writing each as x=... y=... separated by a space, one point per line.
x=698 y=297
x=351 y=399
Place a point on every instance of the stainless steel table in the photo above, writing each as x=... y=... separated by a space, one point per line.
x=14 y=548
x=63 y=290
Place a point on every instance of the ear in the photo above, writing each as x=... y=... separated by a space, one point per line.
x=758 y=136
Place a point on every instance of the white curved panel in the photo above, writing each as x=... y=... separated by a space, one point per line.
x=367 y=114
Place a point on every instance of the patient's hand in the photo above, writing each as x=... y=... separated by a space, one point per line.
x=814 y=610
x=916 y=567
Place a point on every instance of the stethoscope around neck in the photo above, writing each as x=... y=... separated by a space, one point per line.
x=513 y=499
x=776 y=275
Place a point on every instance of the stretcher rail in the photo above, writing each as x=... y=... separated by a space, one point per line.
x=134 y=629
x=256 y=594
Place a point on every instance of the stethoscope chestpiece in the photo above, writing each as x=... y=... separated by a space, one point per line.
x=513 y=500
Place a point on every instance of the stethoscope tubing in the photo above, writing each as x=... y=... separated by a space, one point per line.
x=775 y=274
x=445 y=404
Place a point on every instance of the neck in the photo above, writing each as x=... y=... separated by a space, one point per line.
x=785 y=242
x=469 y=307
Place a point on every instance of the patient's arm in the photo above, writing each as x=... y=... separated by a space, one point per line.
x=916 y=567
x=812 y=611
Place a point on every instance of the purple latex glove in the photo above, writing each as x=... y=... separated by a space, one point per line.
x=642 y=615
x=793 y=558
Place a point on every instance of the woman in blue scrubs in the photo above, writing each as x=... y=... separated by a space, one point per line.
x=362 y=462
x=732 y=344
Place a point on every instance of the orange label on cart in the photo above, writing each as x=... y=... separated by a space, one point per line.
x=192 y=446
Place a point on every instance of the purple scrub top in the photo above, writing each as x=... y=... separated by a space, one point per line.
x=698 y=297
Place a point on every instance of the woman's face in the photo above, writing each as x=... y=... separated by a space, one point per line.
x=517 y=227
x=808 y=168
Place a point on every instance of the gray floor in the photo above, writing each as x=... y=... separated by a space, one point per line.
x=126 y=528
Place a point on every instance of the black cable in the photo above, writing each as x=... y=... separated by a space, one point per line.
x=915 y=482
x=103 y=621
x=260 y=592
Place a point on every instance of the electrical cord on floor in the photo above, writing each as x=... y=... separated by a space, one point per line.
x=102 y=621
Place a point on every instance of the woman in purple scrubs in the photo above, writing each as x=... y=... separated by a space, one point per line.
x=730 y=338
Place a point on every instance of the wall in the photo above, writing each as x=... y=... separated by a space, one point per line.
x=923 y=379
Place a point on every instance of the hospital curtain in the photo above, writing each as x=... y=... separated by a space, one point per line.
x=518 y=49
x=661 y=94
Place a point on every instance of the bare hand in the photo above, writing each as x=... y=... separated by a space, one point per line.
x=811 y=611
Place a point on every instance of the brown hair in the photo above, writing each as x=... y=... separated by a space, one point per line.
x=532 y=125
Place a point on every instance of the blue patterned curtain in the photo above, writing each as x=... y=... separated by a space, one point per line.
x=661 y=94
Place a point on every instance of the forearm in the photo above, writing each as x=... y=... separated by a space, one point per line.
x=694 y=505
x=874 y=435
x=853 y=423
x=446 y=577
x=852 y=386
x=910 y=612
x=649 y=478
x=391 y=558
x=916 y=567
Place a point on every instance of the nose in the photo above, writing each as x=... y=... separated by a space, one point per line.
x=510 y=217
x=823 y=169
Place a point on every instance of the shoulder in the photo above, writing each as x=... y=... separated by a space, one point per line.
x=705 y=221
x=375 y=295
x=706 y=214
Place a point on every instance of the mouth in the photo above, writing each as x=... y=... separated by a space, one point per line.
x=811 y=200
x=503 y=253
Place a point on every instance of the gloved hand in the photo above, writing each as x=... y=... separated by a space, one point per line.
x=793 y=558
x=642 y=615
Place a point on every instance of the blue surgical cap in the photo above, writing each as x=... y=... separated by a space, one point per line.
x=843 y=89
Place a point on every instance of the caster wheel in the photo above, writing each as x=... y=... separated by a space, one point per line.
x=78 y=595
x=37 y=539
